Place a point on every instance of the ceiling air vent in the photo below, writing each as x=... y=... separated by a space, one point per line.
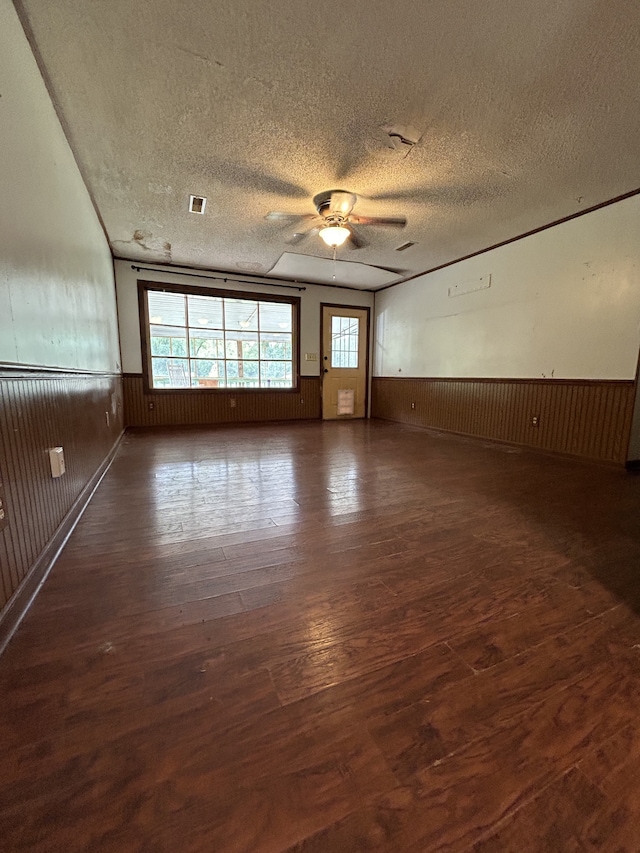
x=197 y=204
x=405 y=246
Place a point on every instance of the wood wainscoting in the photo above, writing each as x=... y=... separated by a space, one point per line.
x=587 y=418
x=40 y=410
x=184 y=408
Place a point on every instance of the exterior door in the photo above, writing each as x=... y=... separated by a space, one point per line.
x=345 y=345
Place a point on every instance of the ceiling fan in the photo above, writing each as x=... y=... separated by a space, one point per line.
x=335 y=221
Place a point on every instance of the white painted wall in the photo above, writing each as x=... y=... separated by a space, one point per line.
x=563 y=303
x=57 y=295
x=311 y=297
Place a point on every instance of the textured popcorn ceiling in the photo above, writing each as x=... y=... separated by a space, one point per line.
x=525 y=112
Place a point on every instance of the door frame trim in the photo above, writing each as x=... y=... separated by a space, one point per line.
x=367 y=309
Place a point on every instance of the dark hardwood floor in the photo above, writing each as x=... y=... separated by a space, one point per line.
x=331 y=637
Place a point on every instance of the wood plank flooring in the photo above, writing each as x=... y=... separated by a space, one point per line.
x=350 y=636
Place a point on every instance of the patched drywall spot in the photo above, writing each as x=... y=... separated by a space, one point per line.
x=480 y=283
x=401 y=137
x=159 y=189
x=259 y=81
x=249 y=266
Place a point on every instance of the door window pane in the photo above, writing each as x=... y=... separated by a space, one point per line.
x=344 y=341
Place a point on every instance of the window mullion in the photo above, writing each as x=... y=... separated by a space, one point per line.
x=224 y=339
x=259 y=349
x=188 y=330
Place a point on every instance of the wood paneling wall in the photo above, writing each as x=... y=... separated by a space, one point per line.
x=39 y=410
x=584 y=418
x=205 y=407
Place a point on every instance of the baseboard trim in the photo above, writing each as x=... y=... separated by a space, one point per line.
x=24 y=596
x=501 y=442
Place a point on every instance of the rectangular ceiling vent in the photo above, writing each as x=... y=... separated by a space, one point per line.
x=405 y=246
x=197 y=204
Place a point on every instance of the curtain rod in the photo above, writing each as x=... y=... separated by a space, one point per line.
x=224 y=279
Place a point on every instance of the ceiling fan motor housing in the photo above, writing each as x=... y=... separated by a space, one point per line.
x=322 y=201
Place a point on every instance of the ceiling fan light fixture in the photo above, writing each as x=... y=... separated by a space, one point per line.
x=334 y=235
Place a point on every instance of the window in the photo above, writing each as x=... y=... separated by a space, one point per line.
x=212 y=339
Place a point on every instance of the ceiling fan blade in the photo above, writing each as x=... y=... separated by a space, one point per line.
x=245 y=176
x=297 y=236
x=389 y=221
x=342 y=203
x=356 y=240
x=283 y=216
x=447 y=193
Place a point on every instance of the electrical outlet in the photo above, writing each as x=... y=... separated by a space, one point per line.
x=232 y=402
x=535 y=420
x=152 y=405
x=413 y=405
